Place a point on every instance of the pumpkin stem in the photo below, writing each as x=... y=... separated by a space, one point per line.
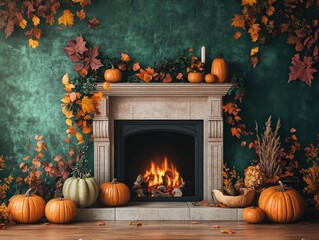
x=220 y=55
x=114 y=180
x=27 y=194
x=112 y=66
x=281 y=186
x=60 y=198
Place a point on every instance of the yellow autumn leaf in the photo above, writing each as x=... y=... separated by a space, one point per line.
x=254 y=50
x=106 y=86
x=65 y=79
x=97 y=97
x=248 y=2
x=68 y=122
x=33 y=43
x=87 y=105
x=69 y=87
x=67 y=19
x=254 y=32
x=68 y=114
x=23 y=24
x=79 y=137
x=35 y=20
x=66 y=99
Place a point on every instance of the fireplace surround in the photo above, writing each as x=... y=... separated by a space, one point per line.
x=160 y=101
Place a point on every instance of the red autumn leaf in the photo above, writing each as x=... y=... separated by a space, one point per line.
x=9 y=28
x=301 y=69
x=254 y=61
x=81 y=14
x=315 y=51
x=167 y=78
x=93 y=23
x=91 y=61
x=75 y=49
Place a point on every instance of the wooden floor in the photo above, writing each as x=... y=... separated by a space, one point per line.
x=155 y=230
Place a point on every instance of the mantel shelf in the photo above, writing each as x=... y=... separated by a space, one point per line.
x=166 y=89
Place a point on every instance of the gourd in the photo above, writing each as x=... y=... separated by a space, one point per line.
x=245 y=199
x=220 y=69
x=59 y=210
x=82 y=191
x=113 y=75
x=210 y=78
x=27 y=208
x=282 y=204
x=114 y=193
x=253 y=215
x=195 y=77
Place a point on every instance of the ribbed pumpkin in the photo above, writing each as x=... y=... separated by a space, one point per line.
x=82 y=191
x=195 y=77
x=253 y=215
x=113 y=75
x=59 y=210
x=114 y=193
x=210 y=78
x=282 y=204
x=220 y=68
x=27 y=208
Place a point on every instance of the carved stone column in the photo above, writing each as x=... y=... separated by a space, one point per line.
x=213 y=164
x=102 y=166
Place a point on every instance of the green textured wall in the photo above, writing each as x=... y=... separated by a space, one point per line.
x=149 y=30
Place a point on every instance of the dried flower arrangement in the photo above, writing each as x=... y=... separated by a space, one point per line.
x=4 y=187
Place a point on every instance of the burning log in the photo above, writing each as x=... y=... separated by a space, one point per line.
x=156 y=193
x=161 y=188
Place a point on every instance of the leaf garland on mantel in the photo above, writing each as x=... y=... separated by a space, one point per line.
x=28 y=15
x=267 y=19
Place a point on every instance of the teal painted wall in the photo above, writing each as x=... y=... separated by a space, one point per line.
x=30 y=79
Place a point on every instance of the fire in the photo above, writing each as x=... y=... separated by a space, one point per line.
x=165 y=175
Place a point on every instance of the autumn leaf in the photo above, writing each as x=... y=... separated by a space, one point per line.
x=71 y=130
x=239 y=21
x=50 y=19
x=254 y=32
x=25 y=158
x=228 y=231
x=106 y=86
x=81 y=14
x=136 y=67
x=35 y=20
x=101 y=223
x=33 y=43
x=167 y=78
x=93 y=23
x=293 y=130
x=254 y=50
x=75 y=49
x=68 y=122
x=254 y=61
x=301 y=69
x=215 y=226
x=125 y=57
x=91 y=60
x=79 y=137
x=83 y=3
x=235 y=132
x=248 y=2
x=9 y=28
x=87 y=105
x=264 y=20
x=237 y=35
x=57 y=158
x=23 y=24
x=67 y=19
x=270 y=11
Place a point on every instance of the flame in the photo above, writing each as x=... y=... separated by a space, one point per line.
x=164 y=175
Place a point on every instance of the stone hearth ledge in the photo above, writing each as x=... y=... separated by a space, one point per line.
x=143 y=211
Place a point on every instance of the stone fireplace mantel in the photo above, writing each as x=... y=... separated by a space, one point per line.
x=160 y=101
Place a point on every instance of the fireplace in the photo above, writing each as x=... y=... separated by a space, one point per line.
x=160 y=160
x=149 y=106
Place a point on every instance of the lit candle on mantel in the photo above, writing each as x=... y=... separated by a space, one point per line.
x=203 y=55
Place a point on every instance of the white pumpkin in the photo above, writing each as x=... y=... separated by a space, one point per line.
x=82 y=191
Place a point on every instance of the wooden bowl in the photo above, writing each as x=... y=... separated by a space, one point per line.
x=244 y=200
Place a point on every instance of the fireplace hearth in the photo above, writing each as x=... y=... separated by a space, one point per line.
x=161 y=160
x=161 y=102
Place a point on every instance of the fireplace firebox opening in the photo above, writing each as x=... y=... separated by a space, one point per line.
x=160 y=160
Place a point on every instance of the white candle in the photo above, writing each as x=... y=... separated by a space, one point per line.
x=203 y=54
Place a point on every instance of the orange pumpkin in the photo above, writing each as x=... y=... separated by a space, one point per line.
x=220 y=68
x=113 y=75
x=195 y=77
x=210 y=78
x=253 y=215
x=27 y=208
x=114 y=193
x=282 y=204
x=59 y=210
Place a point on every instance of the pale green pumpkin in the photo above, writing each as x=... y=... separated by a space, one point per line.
x=82 y=191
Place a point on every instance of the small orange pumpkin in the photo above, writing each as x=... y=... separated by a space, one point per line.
x=114 y=193
x=27 y=208
x=195 y=77
x=282 y=204
x=220 y=68
x=59 y=210
x=210 y=78
x=113 y=75
x=253 y=215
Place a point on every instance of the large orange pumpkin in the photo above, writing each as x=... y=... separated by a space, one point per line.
x=282 y=204
x=220 y=69
x=114 y=193
x=195 y=77
x=27 y=208
x=59 y=210
x=113 y=75
x=253 y=215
